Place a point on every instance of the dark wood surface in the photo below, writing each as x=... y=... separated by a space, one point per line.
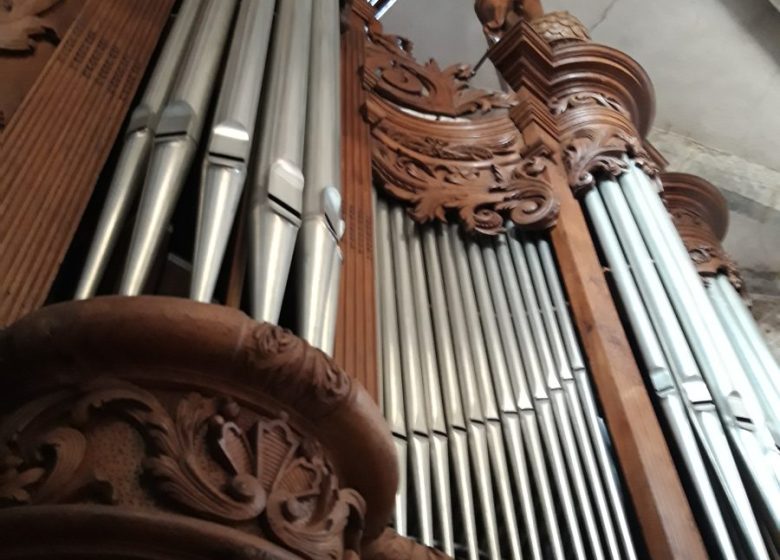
x=54 y=148
x=356 y=337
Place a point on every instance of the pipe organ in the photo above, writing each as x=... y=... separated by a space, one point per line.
x=480 y=324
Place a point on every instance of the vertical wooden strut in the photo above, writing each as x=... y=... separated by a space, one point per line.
x=533 y=70
x=355 y=348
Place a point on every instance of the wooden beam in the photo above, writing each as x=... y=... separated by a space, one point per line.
x=56 y=144
x=355 y=348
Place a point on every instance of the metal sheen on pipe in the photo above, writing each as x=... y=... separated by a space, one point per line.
x=658 y=370
x=581 y=377
x=682 y=363
x=276 y=202
x=230 y=142
x=391 y=360
x=318 y=256
x=129 y=172
x=177 y=135
x=414 y=396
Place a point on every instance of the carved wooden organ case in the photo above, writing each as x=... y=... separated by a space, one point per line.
x=531 y=342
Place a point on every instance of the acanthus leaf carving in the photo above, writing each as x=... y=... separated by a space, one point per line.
x=200 y=460
x=20 y=21
x=485 y=185
x=602 y=149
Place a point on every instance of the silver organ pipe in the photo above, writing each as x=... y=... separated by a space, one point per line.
x=276 y=201
x=735 y=400
x=279 y=50
x=176 y=140
x=579 y=370
x=129 y=172
x=225 y=164
x=695 y=393
x=710 y=406
x=489 y=390
x=658 y=371
x=318 y=257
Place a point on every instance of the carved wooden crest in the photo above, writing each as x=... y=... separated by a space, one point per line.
x=449 y=150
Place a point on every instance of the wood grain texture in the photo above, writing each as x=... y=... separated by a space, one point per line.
x=53 y=149
x=355 y=349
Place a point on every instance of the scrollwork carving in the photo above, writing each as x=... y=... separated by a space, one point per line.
x=207 y=458
x=602 y=150
x=393 y=73
x=483 y=184
x=21 y=20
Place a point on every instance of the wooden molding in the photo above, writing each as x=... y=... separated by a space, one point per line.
x=597 y=120
x=254 y=438
x=701 y=215
x=57 y=142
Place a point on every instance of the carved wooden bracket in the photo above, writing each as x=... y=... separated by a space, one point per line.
x=189 y=413
x=449 y=150
x=701 y=216
x=600 y=99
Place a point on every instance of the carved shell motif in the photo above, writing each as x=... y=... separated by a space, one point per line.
x=209 y=459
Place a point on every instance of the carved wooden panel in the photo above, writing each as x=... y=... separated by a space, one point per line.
x=446 y=149
x=189 y=413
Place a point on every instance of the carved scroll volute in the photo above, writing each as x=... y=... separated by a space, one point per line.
x=473 y=166
x=190 y=412
x=701 y=215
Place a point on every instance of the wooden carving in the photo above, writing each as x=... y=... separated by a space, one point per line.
x=473 y=165
x=21 y=21
x=190 y=414
x=701 y=215
x=559 y=27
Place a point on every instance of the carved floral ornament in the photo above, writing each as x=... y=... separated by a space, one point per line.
x=470 y=165
x=193 y=416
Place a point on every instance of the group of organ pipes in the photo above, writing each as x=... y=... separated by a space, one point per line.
x=503 y=447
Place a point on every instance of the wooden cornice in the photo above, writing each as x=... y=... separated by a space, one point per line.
x=701 y=215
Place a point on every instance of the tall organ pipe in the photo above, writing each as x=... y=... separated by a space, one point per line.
x=658 y=370
x=131 y=166
x=176 y=141
x=738 y=406
x=318 y=257
x=230 y=143
x=696 y=395
x=276 y=201
x=577 y=364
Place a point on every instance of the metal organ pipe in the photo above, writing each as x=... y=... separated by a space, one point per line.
x=318 y=257
x=276 y=201
x=696 y=395
x=230 y=143
x=657 y=369
x=176 y=140
x=577 y=365
x=738 y=406
x=129 y=172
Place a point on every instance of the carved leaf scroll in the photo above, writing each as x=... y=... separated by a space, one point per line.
x=20 y=21
x=438 y=178
x=393 y=73
x=267 y=471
